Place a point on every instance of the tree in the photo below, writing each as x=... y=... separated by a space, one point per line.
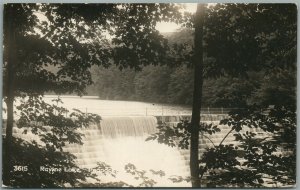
x=235 y=52
x=28 y=54
x=50 y=47
x=237 y=38
x=197 y=95
x=180 y=87
x=274 y=89
x=233 y=92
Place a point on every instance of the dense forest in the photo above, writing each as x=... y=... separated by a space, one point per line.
x=165 y=84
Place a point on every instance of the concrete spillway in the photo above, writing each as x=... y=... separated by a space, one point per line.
x=118 y=141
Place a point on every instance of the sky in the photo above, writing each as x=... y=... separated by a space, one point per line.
x=172 y=27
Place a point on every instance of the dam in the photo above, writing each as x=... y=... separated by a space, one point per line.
x=120 y=140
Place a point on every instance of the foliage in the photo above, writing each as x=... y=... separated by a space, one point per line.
x=48 y=131
x=146 y=181
x=174 y=85
x=240 y=38
x=270 y=157
x=105 y=169
x=143 y=178
x=179 y=135
x=244 y=37
x=233 y=92
x=51 y=47
x=56 y=53
x=54 y=124
x=64 y=42
x=33 y=156
x=274 y=89
x=111 y=83
x=56 y=60
x=264 y=155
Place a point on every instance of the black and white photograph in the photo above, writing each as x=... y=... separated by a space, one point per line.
x=149 y=95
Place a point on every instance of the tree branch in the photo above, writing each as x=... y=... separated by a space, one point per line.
x=226 y=136
x=208 y=139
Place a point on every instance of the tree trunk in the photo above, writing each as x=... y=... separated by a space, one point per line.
x=7 y=161
x=8 y=145
x=197 y=96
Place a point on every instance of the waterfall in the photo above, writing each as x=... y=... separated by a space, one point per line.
x=118 y=141
x=128 y=126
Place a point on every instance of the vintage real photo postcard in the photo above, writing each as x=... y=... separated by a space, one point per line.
x=149 y=95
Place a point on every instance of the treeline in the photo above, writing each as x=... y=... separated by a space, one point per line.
x=164 y=84
x=174 y=84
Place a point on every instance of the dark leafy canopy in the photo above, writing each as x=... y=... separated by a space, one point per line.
x=136 y=42
x=237 y=39
x=243 y=37
x=56 y=44
x=44 y=60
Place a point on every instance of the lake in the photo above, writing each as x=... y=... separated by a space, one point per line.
x=93 y=104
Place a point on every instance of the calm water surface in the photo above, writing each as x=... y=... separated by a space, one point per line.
x=93 y=104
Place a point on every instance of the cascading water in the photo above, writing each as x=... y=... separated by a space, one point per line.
x=118 y=141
